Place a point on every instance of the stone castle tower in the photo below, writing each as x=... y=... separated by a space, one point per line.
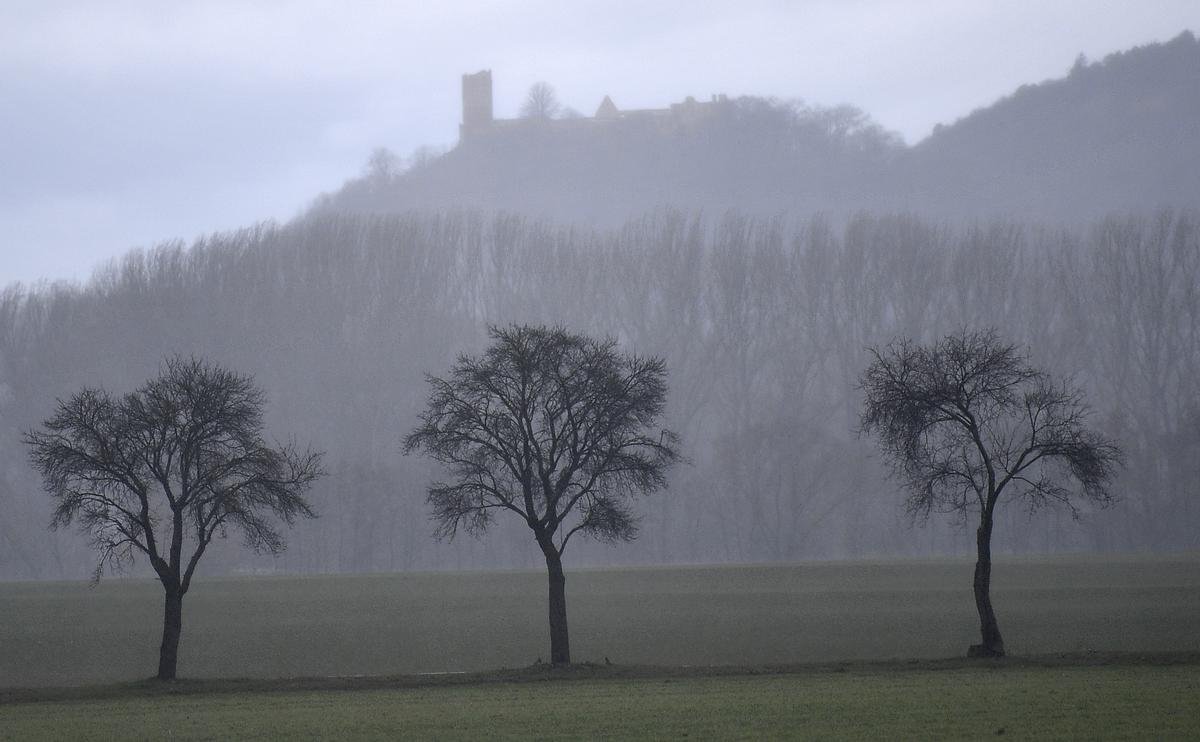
x=477 y=103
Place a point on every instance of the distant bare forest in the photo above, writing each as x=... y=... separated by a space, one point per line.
x=763 y=324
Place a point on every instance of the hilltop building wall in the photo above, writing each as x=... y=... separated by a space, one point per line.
x=476 y=104
x=478 y=119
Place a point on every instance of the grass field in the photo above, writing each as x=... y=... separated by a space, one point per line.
x=708 y=652
x=62 y=634
x=1125 y=700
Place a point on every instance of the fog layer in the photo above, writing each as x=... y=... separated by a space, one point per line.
x=763 y=324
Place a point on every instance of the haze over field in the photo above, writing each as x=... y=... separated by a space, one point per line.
x=838 y=339
x=763 y=324
x=127 y=124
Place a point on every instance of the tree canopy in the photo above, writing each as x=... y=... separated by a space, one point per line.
x=559 y=429
x=541 y=102
x=968 y=420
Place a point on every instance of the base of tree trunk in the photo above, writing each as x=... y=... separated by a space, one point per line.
x=982 y=650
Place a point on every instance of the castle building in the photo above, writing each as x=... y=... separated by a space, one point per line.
x=478 y=118
x=476 y=104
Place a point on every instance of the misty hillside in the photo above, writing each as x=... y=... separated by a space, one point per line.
x=1120 y=134
x=761 y=155
x=1117 y=134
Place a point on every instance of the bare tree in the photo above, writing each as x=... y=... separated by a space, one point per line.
x=161 y=471
x=967 y=421
x=559 y=429
x=382 y=166
x=541 y=102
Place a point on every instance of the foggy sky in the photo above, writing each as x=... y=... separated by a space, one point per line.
x=138 y=121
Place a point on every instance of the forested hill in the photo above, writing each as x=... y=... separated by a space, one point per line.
x=1120 y=134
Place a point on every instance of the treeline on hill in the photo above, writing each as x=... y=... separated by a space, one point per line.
x=748 y=153
x=1118 y=134
x=763 y=323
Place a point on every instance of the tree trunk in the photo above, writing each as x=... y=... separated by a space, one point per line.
x=992 y=644
x=168 y=653
x=560 y=645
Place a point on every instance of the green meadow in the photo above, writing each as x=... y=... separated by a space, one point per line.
x=70 y=634
x=1101 y=647
x=1125 y=699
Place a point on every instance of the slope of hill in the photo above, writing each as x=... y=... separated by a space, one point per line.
x=1121 y=134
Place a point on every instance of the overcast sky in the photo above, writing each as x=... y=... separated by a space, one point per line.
x=131 y=122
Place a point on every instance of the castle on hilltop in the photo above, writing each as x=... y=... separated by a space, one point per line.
x=478 y=119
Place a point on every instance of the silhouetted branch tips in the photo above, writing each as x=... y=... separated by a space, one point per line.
x=549 y=425
x=541 y=102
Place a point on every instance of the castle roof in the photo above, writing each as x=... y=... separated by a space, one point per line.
x=607 y=109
